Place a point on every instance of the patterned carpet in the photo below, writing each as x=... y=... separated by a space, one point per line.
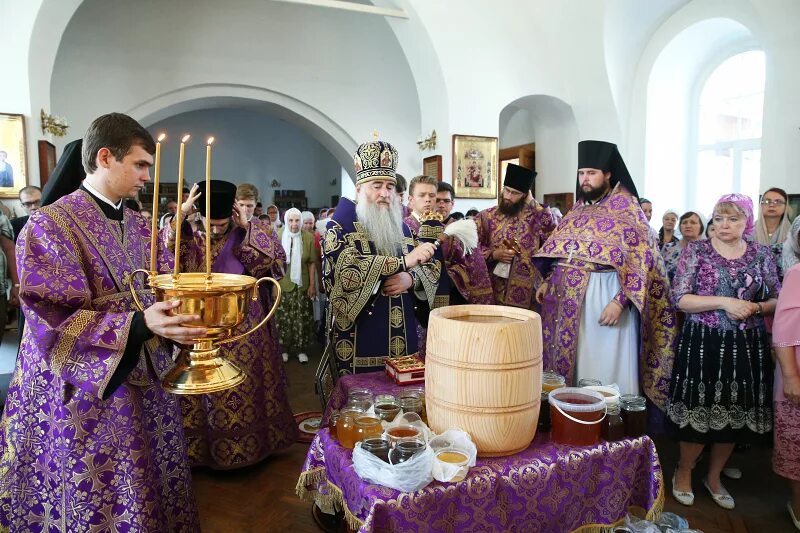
x=308 y=424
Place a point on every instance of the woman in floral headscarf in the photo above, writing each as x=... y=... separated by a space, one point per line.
x=721 y=388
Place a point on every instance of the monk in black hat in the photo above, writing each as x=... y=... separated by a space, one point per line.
x=243 y=425
x=510 y=234
x=605 y=309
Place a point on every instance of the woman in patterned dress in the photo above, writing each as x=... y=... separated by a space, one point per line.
x=721 y=386
x=295 y=318
x=691 y=229
x=786 y=340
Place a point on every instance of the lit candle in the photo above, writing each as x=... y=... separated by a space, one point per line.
x=208 y=207
x=154 y=230
x=180 y=208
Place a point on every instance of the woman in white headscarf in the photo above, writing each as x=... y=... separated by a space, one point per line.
x=791 y=247
x=295 y=320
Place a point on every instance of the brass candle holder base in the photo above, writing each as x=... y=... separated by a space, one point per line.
x=222 y=303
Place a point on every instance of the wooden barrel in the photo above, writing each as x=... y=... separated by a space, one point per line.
x=483 y=374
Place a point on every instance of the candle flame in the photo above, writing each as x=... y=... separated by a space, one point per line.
x=162 y=137
x=210 y=140
x=185 y=138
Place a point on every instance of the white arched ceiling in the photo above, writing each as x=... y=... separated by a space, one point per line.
x=337 y=141
x=550 y=123
x=341 y=75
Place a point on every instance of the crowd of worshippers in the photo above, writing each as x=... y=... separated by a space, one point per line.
x=699 y=324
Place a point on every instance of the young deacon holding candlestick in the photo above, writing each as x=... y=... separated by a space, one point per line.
x=89 y=438
x=243 y=425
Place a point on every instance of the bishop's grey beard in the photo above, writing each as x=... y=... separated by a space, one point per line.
x=384 y=226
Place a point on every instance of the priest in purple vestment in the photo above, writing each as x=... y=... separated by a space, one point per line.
x=605 y=303
x=510 y=235
x=469 y=276
x=239 y=426
x=427 y=228
x=90 y=440
x=374 y=270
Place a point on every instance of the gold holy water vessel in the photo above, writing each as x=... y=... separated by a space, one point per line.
x=220 y=300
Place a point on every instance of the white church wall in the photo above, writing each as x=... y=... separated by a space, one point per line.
x=347 y=67
x=249 y=147
x=490 y=59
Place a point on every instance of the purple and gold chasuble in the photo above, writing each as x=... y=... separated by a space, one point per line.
x=368 y=327
x=72 y=461
x=610 y=234
x=242 y=425
x=468 y=273
x=530 y=227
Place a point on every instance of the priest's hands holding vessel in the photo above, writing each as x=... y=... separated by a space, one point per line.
x=160 y=322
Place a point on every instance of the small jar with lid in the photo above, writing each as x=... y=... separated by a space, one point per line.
x=405 y=450
x=332 y=420
x=346 y=426
x=361 y=398
x=634 y=413
x=367 y=427
x=550 y=382
x=412 y=403
x=377 y=447
x=613 y=425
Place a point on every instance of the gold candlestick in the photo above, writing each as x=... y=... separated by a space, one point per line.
x=208 y=208
x=179 y=219
x=154 y=230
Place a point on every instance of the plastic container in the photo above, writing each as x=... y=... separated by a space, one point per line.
x=589 y=382
x=610 y=394
x=454 y=457
x=577 y=415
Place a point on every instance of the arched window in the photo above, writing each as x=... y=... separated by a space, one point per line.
x=729 y=115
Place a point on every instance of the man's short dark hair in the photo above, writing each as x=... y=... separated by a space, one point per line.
x=118 y=133
x=400 y=185
x=446 y=187
x=27 y=190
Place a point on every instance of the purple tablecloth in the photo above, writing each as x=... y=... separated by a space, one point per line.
x=547 y=487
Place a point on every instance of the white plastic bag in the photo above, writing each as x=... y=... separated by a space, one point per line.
x=461 y=441
x=409 y=476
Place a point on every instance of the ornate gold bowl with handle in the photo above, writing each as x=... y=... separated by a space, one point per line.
x=222 y=301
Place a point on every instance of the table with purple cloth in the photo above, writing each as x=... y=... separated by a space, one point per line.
x=547 y=487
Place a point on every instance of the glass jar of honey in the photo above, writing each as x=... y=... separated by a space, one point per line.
x=367 y=427
x=634 y=413
x=405 y=450
x=346 y=426
x=332 y=420
x=550 y=381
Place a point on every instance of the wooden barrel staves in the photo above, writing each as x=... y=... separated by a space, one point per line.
x=483 y=374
